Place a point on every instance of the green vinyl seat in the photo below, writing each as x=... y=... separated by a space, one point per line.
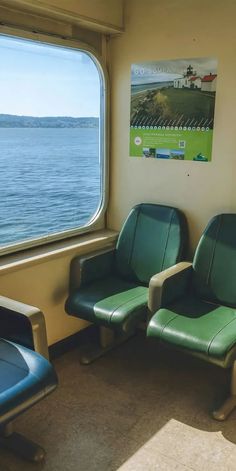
x=197 y=303
x=113 y=303
x=196 y=325
x=110 y=288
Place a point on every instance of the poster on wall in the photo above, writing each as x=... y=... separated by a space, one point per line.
x=172 y=109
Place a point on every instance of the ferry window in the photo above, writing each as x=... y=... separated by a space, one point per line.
x=51 y=162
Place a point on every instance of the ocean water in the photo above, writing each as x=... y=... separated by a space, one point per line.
x=49 y=180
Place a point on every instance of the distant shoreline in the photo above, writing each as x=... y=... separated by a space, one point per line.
x=15 y=121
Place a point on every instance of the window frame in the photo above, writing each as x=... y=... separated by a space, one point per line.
x=98 y=219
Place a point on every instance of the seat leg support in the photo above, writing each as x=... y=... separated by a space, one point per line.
x=20 y=445
x=108 y=341
x=227 y=407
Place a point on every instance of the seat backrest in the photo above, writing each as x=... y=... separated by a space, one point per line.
x=214 y=264
x=153 y=238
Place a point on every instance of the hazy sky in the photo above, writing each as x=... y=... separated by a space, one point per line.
x=38 y=80
x=162 y=71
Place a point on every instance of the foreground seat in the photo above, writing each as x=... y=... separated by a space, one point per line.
x=196 y=303
x=110 y=288
x=26 y=377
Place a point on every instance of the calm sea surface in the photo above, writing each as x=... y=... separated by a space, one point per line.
x=49 y=180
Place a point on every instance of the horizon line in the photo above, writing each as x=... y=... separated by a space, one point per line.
x=49 y=116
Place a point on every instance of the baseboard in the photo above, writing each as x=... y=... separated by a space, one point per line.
x=69 y=343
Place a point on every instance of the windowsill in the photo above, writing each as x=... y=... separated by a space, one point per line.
x=86 y=242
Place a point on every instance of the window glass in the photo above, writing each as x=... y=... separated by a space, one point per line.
x=50 y=165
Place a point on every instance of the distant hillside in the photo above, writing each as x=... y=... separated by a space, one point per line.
x=13 y=121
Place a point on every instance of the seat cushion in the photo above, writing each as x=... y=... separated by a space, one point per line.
x=196 y=325
x=25 y=378
x=110 y=301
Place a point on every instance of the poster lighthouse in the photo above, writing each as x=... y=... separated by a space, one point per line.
x=172 y=109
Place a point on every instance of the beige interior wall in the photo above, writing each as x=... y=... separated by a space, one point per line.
x=43 y=281
x=34 y=22
x=100 y=15
x=106 y=11
x=44 y=285
x=159 y=30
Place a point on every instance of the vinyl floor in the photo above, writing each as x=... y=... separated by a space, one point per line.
x=142 y=407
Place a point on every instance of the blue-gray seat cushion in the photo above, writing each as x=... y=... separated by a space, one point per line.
x=25 y=378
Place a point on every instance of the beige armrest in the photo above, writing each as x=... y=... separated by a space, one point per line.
x=34 y=316
x=159 y=281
